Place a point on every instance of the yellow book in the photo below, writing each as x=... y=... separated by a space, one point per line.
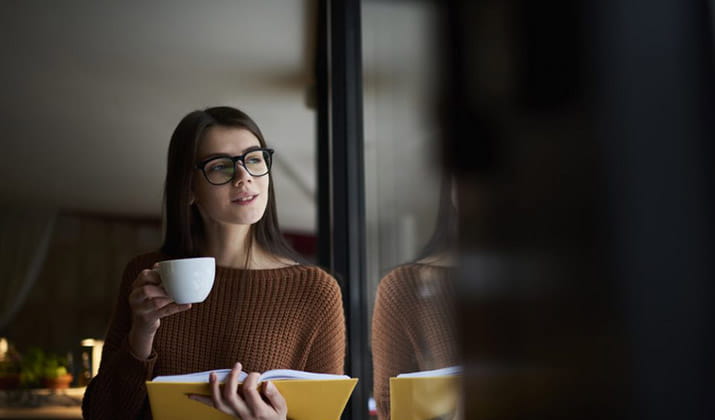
x=425 y=395
x=309 y=396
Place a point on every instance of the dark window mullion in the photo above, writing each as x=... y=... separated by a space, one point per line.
x=341 y=178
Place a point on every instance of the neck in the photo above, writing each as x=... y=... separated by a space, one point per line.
x=229 y=245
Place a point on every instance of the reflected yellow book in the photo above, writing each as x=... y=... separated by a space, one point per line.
x=425 y=395
x=310 y=398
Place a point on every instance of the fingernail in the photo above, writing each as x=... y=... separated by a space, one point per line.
x=238 y=365
x=270 y=387
x=212 y=376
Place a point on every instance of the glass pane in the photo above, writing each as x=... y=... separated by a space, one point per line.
x=409 y=208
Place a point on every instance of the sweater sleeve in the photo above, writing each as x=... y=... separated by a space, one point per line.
x=327 y=350
x=118 y=391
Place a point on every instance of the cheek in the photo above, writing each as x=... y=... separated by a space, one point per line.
x=208 y=197
x=265 y=182
x=266 y=192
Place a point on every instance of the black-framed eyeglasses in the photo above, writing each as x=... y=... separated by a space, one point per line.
x=221 y=170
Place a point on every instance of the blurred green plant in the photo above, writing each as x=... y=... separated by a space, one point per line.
x=37 y=364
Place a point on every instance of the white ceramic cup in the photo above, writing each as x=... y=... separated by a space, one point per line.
x=187 y=280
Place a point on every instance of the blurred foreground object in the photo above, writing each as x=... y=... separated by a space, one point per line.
x=581 y=136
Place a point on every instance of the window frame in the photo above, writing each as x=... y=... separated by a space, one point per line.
x=341 y=184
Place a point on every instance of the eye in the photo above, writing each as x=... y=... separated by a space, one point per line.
x=254 y=158
x=220 y=165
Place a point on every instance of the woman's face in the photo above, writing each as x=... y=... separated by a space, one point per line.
x=241 y=201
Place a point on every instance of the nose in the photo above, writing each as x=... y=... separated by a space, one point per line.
x=241 y=175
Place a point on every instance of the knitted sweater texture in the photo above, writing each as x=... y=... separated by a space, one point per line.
x=283 y=318
x=413 y=326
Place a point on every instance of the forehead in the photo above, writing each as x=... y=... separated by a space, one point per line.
x=228 y=140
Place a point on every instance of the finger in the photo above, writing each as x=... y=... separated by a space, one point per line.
x=143 y=293
x=148 y=307
x=231 y=396
x=275 y=398
x=250 y=393
x=150 y=312
x=171 y=309
x=230 y=385
x=216 y=393
x=146 y=276
x=156 y=303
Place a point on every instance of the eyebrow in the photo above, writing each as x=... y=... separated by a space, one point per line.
x=215 y=155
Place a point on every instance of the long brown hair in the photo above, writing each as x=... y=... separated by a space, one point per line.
x=184 y=230
x=444 y=236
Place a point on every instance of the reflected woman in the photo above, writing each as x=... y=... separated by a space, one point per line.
x=267 y=310
x=413 y=325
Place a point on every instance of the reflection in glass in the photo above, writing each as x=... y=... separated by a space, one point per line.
x=411 y=307
x=413 y=326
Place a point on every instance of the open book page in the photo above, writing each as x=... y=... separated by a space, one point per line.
x=195 y=377
x=297 y=374
x=447 y=371
x=276 y=374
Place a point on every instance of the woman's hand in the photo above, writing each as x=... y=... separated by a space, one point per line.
x=246 y=401
x=149 y=303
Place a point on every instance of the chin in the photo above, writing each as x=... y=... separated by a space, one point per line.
x=246 y=219
x=232 y=215
x=241 y=220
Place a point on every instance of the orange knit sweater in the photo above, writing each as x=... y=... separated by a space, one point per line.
x=290 y=318
x=413 y=326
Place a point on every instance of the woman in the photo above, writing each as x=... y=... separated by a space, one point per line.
x=265 y=311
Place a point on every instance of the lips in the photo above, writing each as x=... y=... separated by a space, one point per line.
x=244 y=199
